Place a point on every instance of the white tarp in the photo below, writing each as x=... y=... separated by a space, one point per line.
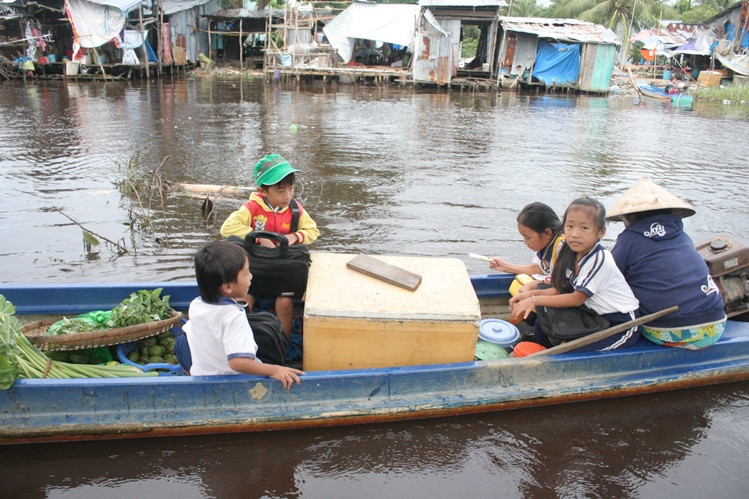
x=736 y=63
x=95 y=24
x=130 y=41
x=123 y=5
x=390 y=23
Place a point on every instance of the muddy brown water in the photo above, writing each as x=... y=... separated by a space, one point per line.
x=385 y=171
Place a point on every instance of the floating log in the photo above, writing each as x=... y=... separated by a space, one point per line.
x=216 y=189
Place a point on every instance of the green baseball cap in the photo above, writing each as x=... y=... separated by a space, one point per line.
x=271 y=170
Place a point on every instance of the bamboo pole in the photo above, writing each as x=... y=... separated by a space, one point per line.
x=210 y=41
x=143 y=45
x=101 y=66
x=159 y=44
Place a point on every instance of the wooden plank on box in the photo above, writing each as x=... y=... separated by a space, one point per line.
x=385 y=272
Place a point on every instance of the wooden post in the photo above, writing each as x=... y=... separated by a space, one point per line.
x=210 y=40
x=143 y=38
x=241 y=47
x=101 y=66
x=160 y=26
x=501 y=52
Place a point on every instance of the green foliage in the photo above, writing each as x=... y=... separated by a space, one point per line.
x=682 y=6
x=734 y=93
x=72 y=326
x=231 y=4
x=699 y=14
x=525 y=8
x=10 y=326
x=19 y=358
x=470 y=31
x=468 y=49
x=616 y=14
x=140 y=307
x=471 y=34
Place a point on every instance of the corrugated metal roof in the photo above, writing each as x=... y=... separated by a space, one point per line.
x=172 y=6
x=665 y=37
x=462 y=3
x=240 y=13
x=563 y=30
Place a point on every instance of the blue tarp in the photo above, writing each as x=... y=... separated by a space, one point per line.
x=150 y=53
x=731 y=34
x=557 y=63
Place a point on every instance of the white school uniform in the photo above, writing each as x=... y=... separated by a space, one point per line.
x=602 y=281
x=217 y=332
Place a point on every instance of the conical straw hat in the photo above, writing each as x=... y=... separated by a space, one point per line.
x=646 y=195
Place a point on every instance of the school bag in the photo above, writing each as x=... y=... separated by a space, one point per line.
x=280 y=271
x=272 y=342
x=569 y=323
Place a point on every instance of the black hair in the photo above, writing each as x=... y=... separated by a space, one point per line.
x=538 y=217
x=217 y=263
x=566 y=256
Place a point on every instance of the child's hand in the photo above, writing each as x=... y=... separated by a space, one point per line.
x=529 y=286
x=266 y=243
x=519 y=297
x=287 y=375
x=293 y=238
x=521 y=310
x=497 y=263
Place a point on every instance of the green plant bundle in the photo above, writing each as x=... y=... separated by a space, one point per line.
x=19 y=358
x=141 y=306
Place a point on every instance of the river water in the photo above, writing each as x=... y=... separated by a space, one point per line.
x=384 y=171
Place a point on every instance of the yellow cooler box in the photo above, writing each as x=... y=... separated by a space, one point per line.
x=354 y=321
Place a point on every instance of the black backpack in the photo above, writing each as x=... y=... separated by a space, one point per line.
x=271 y=341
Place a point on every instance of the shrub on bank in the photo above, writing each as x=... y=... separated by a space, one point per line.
x=734 y=93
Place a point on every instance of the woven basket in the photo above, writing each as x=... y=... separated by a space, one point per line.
x=36 y=332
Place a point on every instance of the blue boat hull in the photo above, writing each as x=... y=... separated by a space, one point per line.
x=657 y=93
x=52 y=410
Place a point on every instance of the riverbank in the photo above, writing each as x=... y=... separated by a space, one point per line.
x=621 y=82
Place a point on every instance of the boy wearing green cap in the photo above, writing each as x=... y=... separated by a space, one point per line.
x=268 y=210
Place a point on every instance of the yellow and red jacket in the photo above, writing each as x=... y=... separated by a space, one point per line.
x=257 y=214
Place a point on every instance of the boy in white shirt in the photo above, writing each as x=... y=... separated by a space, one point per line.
x=219 y=336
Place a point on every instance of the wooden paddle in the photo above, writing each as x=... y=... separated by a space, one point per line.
x=600 y=335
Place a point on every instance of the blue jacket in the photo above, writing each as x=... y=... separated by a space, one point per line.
x=663 y=268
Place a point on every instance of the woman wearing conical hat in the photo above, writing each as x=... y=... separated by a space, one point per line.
x=663 y=268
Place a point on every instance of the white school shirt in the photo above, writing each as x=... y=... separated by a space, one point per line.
x=602 y=281
x=217 y=332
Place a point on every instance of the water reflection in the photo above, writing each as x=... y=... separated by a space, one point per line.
x=385 y=169
x=614 y=448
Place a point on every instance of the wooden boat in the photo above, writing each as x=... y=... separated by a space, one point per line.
x=659 y=94
x=35 y=410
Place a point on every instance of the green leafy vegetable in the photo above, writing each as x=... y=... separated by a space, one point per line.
x=72 y=326
x=141 y=306
x=19 y=358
